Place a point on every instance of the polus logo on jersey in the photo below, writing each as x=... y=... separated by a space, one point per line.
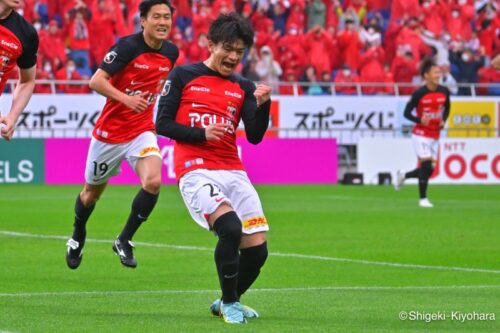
x=110 y=57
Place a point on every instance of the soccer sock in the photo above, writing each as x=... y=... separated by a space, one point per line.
x=251 y=261
x=413 y=174
x=142 y=206
x=423 y=178
x=228 y=228
x=82 y=214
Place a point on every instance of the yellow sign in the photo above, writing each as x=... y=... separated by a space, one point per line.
x=472 y=119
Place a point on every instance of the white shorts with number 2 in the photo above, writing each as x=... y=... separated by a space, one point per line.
x=205 y=190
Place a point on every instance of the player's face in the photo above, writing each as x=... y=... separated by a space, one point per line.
x=158 y=22
x=433 y=75
x=225 y=56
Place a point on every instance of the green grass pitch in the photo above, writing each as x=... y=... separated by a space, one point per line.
x=342 y=259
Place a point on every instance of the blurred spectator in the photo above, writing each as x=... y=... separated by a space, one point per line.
x=448 y=80
x=292 y=88
x=184 y=14
x=409 y=36
x=202 y=19
x=388 y=80
x=401 y=8
x=44 y=73
x=291 y=50
x=198 y=49
x=52 y=46
x=326 y=83
x=458 y=20
x=434 y=13
x=346 y=81
x=268 y=69
x=371 y=33
x=310 y=78
x=101 y=32
x=279 y=13
x=297 y=17
x=468 y=65
x=358 y=7
x=440 y=47
x=316 y=13
x=78 y=34
x=69 y=72
x=404 y=68
x=318 y=45
x=350 y=44
x=372 y=68
x=489 y=75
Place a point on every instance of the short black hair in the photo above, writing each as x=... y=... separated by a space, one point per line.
x=426 y=65
x=146 y=5
x=228 y=28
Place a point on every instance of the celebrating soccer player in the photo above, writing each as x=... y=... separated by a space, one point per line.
x=131 y=76
x=201 y=111
x=432 y=104
x=19 y=46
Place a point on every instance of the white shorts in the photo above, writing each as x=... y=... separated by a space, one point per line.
x=205 y=190
x=104 y=159
x=425 y=148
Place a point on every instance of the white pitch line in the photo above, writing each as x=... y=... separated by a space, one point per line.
x=276 y=254
x=264 y=290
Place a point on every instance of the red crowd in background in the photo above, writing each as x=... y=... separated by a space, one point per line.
x=311 y=41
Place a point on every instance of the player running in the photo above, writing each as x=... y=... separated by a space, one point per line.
x=131 y=76
x=432 y=104
x=201 y=112
x=19 y=46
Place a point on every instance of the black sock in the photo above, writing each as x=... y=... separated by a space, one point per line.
x=251 y=260
x=412 y=174
x=82 y=214
x=228 y=228
x=423 y=178
x=142 y=206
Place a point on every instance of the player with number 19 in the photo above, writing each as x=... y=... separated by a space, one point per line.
x=131 y=76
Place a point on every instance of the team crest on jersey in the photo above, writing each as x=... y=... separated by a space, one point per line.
x=166 y=88
x=231 y=108
x=110 y=57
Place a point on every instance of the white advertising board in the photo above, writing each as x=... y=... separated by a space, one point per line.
x=461 y=161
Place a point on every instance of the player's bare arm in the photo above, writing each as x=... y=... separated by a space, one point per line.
x=100 y=83
x=262 y=94
x=21 y=97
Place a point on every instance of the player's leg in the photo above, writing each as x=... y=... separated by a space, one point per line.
x=84 y=205
x=253 y=245
x=204 y=196
x=103 y=161
x=144 y=156
x=426 y=170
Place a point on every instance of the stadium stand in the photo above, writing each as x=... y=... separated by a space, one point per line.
x=328 y=46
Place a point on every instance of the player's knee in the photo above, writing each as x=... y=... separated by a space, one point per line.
x=89 y=198
x=259 y=254
x=152 y=185
x=228 y=227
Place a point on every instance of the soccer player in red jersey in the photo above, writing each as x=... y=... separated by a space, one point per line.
x=131 y=76
x=18 y=45
x=432 y=105
x=201 y=111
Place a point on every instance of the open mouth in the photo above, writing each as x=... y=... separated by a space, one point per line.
x=162 y=30
x=228 y=65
